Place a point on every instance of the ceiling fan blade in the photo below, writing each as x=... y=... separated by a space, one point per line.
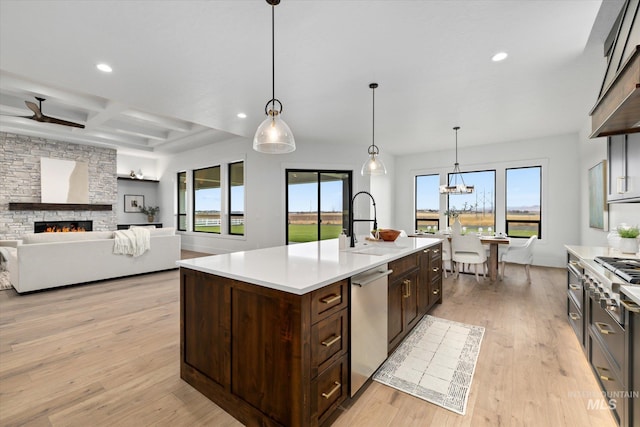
x=33 y=107
x=53 y=120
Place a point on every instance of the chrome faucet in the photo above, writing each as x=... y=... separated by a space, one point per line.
x=352 y=219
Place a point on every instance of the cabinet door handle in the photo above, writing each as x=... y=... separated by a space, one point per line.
x=574 y=316
x=602 y=376
x=332 y=341
x=331 y=298
x=604 y=329
x=407 y=284
x=436 y=251
x=435 y=269
x=574 y=287
x=426 y=251
x=333 y=390
x=631 y=306
x=436 y=291
x=621 y=184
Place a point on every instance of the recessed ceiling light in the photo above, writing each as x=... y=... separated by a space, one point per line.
x=242 y=115
x=104 y=68
x=500 y=56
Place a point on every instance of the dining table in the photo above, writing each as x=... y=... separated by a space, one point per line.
x=492 y=241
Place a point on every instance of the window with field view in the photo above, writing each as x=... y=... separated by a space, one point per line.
x=523 y=201
x=476 y=210
x=182 y=201
x=236 y=198
x=427 y=202
x=207 y=204
x=317 y=204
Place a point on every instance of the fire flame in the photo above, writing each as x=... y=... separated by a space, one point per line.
x=56 y=229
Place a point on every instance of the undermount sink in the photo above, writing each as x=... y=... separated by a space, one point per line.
x=376 y=249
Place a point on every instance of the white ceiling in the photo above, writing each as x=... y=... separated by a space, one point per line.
x=184 y=69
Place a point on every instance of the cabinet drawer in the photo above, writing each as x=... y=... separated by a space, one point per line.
x=436 y=253
x=329 y=337
x=329 y=390
x=609 y=332
x=328 y=300
x=575 y=291
x=575 y=319
x=609 y=381
x=403 y=265
x=435 y=289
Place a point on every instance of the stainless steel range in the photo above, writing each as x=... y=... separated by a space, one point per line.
x=628 y=269
x=602 y=281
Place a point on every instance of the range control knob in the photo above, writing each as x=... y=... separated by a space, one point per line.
x=608 y=303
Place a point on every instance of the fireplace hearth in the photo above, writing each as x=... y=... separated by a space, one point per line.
x=62 y=226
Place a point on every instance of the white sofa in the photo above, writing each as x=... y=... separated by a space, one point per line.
x=48 y=260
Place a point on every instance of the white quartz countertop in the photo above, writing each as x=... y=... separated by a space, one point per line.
x=590 y=252
x=633 y=292
x=305 y=267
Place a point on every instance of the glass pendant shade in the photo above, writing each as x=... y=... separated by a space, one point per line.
x=373 y=166
x=274 y=136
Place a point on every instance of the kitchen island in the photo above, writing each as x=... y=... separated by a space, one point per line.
x=265 y=333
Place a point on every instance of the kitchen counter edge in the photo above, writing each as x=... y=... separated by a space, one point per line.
x=268 y=267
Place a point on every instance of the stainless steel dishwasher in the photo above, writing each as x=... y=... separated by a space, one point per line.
x=369 y=291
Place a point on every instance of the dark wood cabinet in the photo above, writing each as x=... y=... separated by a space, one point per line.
x=267 y=357
x=414 y=287
x=402 y=298
x=272 y=358
x=623 y=154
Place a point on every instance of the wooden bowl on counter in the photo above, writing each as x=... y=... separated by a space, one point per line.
x=388 y=234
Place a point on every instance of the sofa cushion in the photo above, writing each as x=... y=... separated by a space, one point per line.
x=166 y=231
x=65 y=237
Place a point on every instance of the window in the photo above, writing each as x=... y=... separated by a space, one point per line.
x=478 y=208
x=317 y=204
x=206 y=201
x=523 y=201
x=427 y=202
x=182 y=201
x=236 y=198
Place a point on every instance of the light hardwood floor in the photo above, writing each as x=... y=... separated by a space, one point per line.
x=107 y=354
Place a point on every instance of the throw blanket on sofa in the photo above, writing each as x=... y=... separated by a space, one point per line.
x=134 y=241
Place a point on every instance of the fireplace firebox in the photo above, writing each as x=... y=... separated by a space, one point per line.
x=62 y=226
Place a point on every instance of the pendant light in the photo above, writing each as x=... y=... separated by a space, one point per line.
x=454 y=187
x=273 y=135
x=373 y=165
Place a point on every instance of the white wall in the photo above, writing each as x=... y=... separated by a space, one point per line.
x=127 y=163
x=559 y=156
x=265 y=212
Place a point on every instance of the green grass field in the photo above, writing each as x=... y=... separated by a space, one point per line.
x=309 y=232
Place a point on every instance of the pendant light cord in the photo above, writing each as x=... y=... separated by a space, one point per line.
x=456 y=129
x=273 y=57
x=373 y=149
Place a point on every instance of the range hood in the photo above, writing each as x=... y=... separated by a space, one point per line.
x=617 y=110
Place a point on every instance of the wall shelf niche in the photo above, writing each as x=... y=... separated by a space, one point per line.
x=128 y=178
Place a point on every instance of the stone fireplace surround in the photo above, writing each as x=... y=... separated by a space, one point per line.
x=20 y=167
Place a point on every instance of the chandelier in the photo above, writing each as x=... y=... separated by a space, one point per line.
x=454 y=186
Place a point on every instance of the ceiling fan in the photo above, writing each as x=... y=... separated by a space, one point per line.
x=39 y=117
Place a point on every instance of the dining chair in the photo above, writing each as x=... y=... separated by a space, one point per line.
x=467 y=249
x=446 y=253
x=519 y=254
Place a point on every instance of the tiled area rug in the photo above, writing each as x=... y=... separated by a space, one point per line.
x=435 y=362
